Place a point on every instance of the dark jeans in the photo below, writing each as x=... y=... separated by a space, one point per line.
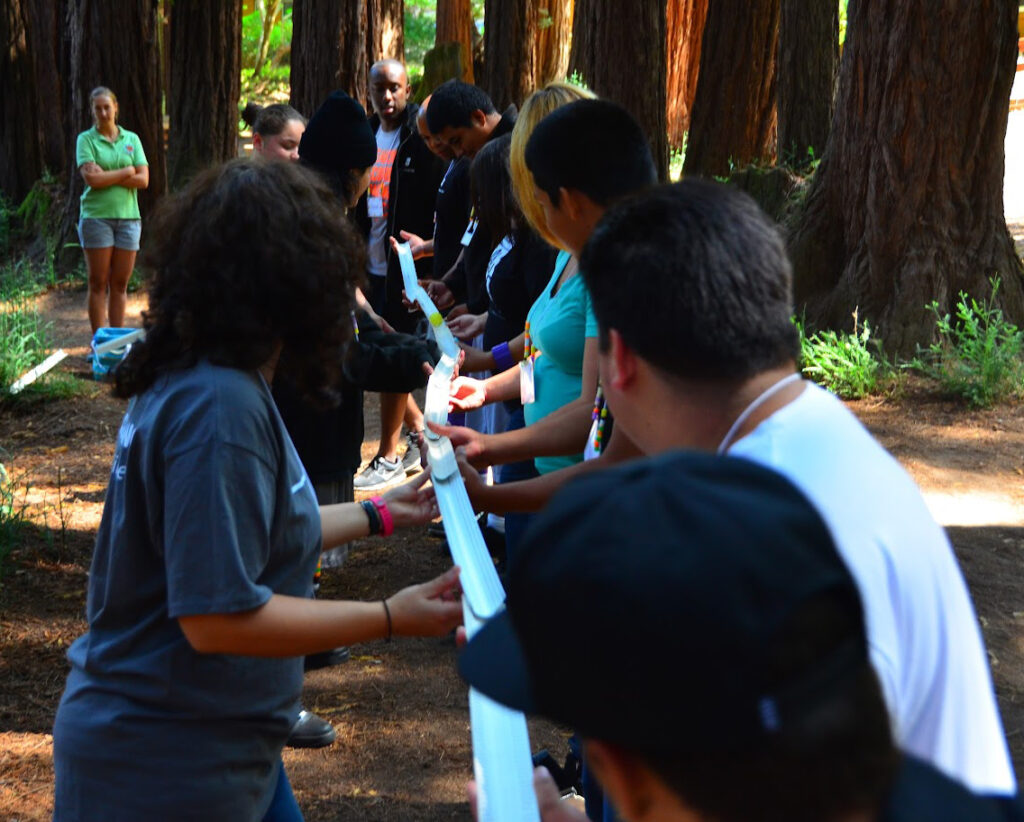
x=283 y=807
x=515 y=523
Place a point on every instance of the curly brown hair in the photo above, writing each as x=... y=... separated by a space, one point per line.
x=248 y=257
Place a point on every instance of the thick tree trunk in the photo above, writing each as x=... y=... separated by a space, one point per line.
x=328 y=51
x=385 y=30
x=808 y=59
x=206 y=43
x=554 y=41
x=622 y=57
x=684 y=30
x=733 y=118
x=20 y=155
x=455 y=25
x=510 y=53
x=131 y=71
x=46 y=19
x=906 y=206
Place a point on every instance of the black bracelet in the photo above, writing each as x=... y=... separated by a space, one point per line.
x=373 y=516
x=387 y=613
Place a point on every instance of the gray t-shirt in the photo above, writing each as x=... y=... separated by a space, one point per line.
x=208 y=511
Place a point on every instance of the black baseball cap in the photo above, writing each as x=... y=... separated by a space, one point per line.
x=338 y=139
x=683 y=576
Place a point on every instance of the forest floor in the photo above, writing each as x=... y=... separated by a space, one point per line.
x=403 y=748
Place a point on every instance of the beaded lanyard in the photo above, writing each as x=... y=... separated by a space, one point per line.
x=599 y=416
x=527 y=342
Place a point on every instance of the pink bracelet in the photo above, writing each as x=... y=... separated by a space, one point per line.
x=387 y=524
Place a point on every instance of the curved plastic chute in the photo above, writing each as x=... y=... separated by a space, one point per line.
x=501 y=744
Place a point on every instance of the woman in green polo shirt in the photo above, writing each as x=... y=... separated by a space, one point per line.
x=114 y=166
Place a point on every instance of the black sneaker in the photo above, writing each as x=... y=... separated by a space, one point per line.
x=310 y=731
x=326 y=659
x=411 y=460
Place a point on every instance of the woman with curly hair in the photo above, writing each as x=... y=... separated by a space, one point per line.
x=183 y=691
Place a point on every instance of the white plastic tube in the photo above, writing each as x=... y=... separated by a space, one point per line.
x=501 y=743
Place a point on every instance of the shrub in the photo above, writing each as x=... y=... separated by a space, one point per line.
x=851 y=365
x=978 y=355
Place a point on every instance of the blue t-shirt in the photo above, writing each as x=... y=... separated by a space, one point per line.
x=208 y=511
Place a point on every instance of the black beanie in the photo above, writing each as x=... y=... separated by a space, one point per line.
x=338 y=139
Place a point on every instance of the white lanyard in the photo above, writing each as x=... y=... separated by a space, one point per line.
x=763 y=397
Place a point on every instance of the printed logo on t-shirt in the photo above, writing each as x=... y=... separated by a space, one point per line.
x=380 y=177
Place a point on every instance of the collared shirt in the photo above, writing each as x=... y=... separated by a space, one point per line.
x=114 y=202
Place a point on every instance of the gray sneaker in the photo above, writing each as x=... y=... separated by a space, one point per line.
x=411 y=459
x=380 y=473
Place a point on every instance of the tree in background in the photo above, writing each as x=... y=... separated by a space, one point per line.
x=270 y=16
x=206 y=65
x=684 y=32
x=807 y=62
x=328 y=51
x=906 y=205
x=455 y=25
x=510 y=52
x=733 y=121
x=620 y=51
x=21 y=161
x=116 y=44
x=554 y=42
x=385 y=26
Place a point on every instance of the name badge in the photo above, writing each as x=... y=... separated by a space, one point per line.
x=526 y=392
x=375 y=206
x=467 y=238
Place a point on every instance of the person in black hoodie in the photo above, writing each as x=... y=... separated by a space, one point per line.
x=403 y=190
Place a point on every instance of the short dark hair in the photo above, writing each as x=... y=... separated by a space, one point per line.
x=695 y=278
x=452 y=103
x=835 y=756
x=491 y=186
x=250 y=255
x=592 y=146
x=268 y=121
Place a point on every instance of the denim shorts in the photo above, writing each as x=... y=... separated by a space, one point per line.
x=98 y=232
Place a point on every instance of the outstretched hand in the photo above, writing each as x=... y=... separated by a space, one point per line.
x=431 y=608
x=471 y=442
x=549 y=801
x=411 y=503
x=467 y=393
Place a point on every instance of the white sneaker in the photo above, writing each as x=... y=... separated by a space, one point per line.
x=411 y=459
x=380 y=473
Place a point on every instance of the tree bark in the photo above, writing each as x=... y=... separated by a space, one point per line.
x=328 y=51
x=510 y=33
x=733 y=118
x=206 y=64
x=131 y=70
x=455 y=25
x=20 y=154
x=554 y=42
x=621 y=55
x=807 y=63
x=270 y=14
x=906 y=206
x=385 y=30
x=684 y=31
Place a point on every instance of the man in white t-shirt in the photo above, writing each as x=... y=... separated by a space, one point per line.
x=698 y=351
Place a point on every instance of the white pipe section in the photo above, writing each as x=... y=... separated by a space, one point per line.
x=501 y=743
x=119 y=342
x=34 y=374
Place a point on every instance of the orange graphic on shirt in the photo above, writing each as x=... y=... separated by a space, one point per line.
x=380 y=176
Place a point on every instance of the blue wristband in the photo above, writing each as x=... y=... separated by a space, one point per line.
x=502 y=357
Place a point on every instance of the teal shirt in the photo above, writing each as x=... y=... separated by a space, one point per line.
x=559 y=327
x=114 y=202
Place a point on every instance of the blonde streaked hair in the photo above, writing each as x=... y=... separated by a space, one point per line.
x=537 y=106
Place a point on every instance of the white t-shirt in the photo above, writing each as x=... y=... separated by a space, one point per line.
x=923 y=634
x=377 y=201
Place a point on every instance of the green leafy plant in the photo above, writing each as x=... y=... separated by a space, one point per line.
x=851 y=365
x=12 y=517
x=979 y=355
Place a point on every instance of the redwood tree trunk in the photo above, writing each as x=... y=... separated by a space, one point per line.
x=554 y=39
x=685 y=28
x=328 y=51
x=733 y=118
x=621 y=55
x=131 y=70
x=907 y=205
x=384 y=30
x=206 y=64
x=20 y=155
x=510 y=32
x=455 y=25
x=808 y=59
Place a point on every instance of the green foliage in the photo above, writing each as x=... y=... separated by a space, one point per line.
x=280 y=38
x=851 y=365
x=979 y=355
x=842 y=21
x=420 y=27
x=12 y=517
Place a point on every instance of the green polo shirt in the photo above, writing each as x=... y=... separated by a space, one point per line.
x=114 y=202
